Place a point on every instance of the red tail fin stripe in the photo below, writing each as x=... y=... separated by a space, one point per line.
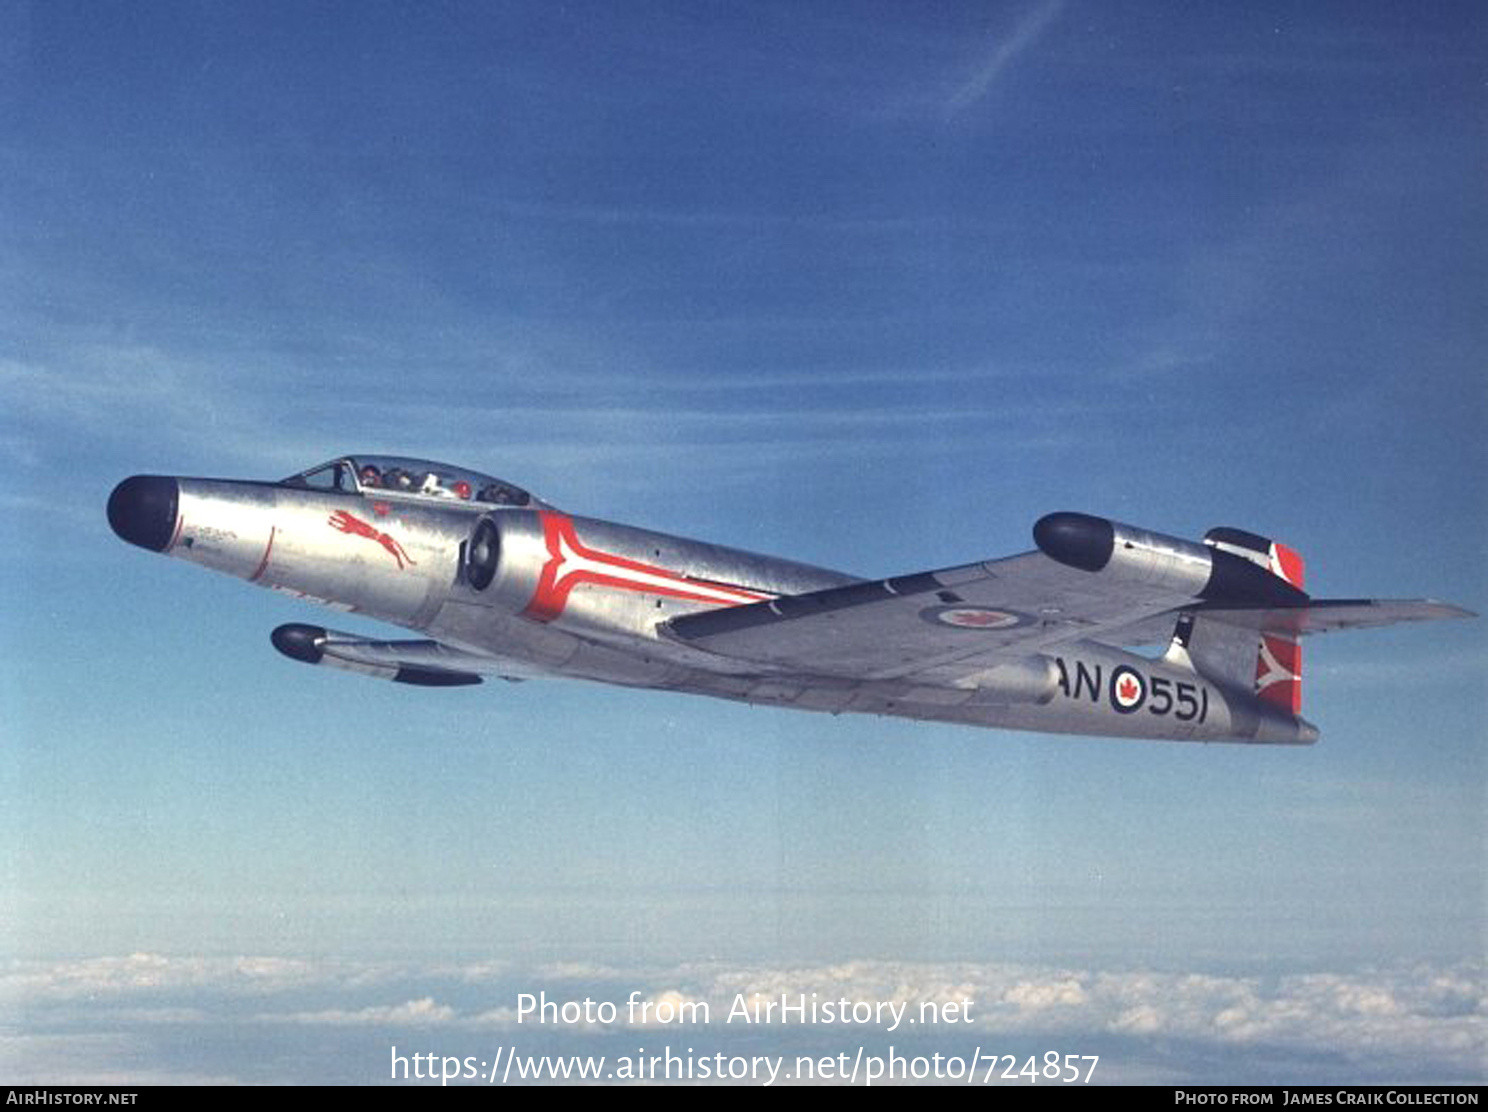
x=1287 y=564
x=1279 y=674
x=1285 y=654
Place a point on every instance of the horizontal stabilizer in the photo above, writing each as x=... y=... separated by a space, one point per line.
x=1319 y=615
x=1326 y=615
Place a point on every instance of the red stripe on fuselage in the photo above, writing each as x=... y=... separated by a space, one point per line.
x=570 y=563
x=262 y=564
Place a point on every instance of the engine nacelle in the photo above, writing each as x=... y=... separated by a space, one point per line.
x=482 y=554
x=503 y=559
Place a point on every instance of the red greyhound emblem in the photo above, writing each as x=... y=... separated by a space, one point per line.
x=357 y=527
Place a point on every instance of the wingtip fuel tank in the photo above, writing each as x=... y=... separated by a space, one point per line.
x=1221 y=570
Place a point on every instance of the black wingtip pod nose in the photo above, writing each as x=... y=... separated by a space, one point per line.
x=300 y=642
x=1079 y=540
x=142 y=510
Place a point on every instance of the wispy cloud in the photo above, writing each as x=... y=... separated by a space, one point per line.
x=424 y=1011
x=101 y=393
x=1006 y=49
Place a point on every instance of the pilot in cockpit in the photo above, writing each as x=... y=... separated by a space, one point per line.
x=497 y=493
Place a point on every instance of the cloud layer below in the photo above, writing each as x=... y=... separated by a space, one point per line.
x=148 y=1018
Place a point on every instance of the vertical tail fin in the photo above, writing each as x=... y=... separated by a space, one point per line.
x=1278 y=673
x=1268 y=664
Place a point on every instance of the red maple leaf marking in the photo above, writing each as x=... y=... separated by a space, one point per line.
x=975 y=618
x=1128 y=689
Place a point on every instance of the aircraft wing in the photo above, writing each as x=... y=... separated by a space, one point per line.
x=941 y=626
x=938 y=624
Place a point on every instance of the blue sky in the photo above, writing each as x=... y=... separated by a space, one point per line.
x=871 y=286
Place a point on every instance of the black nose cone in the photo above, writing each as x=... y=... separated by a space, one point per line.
x=142 y=510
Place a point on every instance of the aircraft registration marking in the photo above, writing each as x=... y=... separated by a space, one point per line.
x=1127 y=690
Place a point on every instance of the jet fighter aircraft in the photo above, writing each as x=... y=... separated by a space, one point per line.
x=502 y=583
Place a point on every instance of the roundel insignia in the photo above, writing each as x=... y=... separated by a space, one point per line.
x=1128 y=689
x=972 y=617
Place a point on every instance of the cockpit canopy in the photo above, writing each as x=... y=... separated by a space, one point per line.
x=419 y=478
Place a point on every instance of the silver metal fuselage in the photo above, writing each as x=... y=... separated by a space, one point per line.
x=569 y=596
